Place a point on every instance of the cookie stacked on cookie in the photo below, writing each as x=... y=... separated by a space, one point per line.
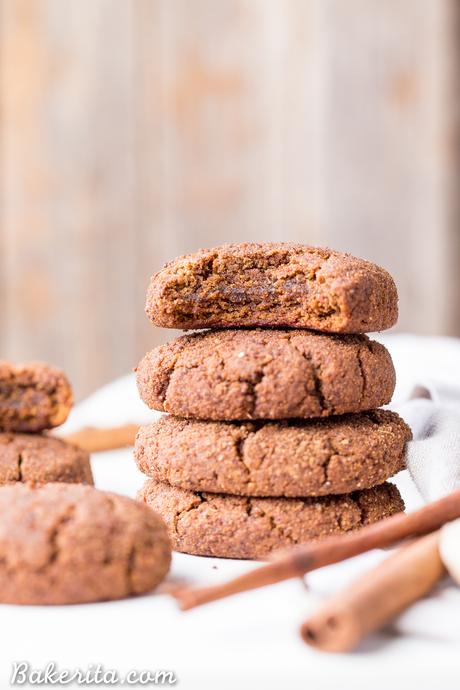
x=274 y=435
x=62 y=542
x=34 y=398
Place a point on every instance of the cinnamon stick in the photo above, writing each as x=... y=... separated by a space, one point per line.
x=303 y=559
x=94 y=439
x=375 y=598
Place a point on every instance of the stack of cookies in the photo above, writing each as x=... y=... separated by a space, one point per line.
x=62 y=542
x=274 y=437
x=34 y=398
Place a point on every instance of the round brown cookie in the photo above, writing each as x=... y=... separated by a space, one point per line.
x=314 y=458
x=33 y=396
x=68 y=544
x=35 y=459
x=273 y=284
x=235 y=527
x=266 y=374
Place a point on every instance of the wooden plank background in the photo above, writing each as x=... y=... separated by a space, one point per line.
x=134 y=131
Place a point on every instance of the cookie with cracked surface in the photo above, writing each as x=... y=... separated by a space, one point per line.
x=33 y=397
x=266 y=374
x=68 y=544
x=36 y=459
x=273 y=284
x=235 y=527
x=290 y=459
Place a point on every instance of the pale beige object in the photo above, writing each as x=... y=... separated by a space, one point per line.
x=449 y=548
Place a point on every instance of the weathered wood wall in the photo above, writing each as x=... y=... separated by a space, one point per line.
x=132 y=131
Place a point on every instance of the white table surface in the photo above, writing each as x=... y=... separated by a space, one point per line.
x=251 y=640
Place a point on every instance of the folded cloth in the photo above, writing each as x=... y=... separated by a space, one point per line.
x=433 y=461
x=433 y=456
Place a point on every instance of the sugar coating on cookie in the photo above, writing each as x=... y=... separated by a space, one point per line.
x=33 y=397
x=273 y=284
x=69 y=544
x=266 y=374
x=312 y=458
x=37 y=459
x=235 y=527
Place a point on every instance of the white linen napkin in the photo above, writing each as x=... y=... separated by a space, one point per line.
x=433 y=456
x=433 y=461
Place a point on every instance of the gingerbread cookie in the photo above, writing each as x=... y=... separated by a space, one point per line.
x=314 y=458
x=36 y=459
x=33 y=397
x=266 y=374
x=273 y=284
x=68 y=544
x=236 y=527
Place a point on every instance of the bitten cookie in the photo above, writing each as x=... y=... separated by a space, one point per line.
x=67 y=544
x=314 y=458
x=33 y=397
x=266 y=374
x=273 y=285
x=35 y=459
x=236 y=527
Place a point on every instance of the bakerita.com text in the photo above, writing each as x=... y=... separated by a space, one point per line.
x=23 y=673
